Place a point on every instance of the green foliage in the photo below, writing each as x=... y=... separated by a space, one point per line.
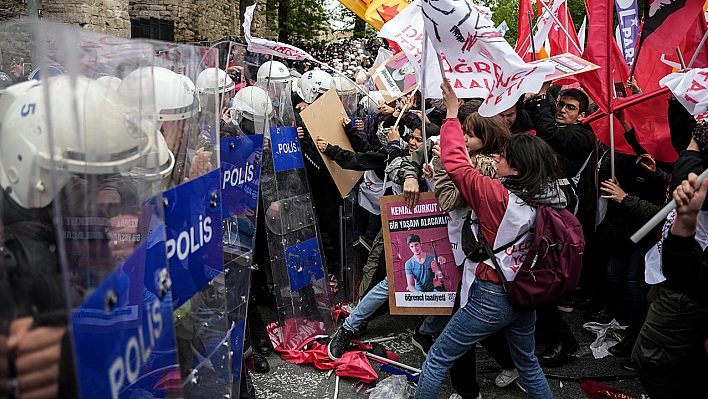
x=509 y=11
x=299 y=22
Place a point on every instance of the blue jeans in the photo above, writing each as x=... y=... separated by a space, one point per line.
x=630 y=263
x=487 y=310
x=376 y=297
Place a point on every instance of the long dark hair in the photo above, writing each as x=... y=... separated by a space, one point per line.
x=491 y=131
x=536 y=163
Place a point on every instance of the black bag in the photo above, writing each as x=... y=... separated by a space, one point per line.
x=474 y=249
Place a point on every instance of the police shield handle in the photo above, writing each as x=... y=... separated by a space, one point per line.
x=661 y=216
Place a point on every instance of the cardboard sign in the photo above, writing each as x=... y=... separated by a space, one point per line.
x=395 y=77
x=567 y=65
x=416 y=242
x=324 y=118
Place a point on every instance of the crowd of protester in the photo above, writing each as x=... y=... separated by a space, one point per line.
x=538 y=151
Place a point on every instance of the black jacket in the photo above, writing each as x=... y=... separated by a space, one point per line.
x=523 y=122
x=685 y=266
x=646 y=194
x=573 y=143
x=681 y=124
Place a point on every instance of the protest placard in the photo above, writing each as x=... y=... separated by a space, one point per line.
x=395 y=77
x=324 y=118
x=421 y=270
x=567 y=65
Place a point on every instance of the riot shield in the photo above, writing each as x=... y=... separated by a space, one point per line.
x=189 y=122
x=34 y=301
x=241 y=159
x=299 y=271
x=86 y=155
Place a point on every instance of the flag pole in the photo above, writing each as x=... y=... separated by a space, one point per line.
x=533 y=43
x=680 y=57
x=610 y=89
x=567 y=35
x=530 y=36
x=698 y=49
x=423 y=90
x=566 y=25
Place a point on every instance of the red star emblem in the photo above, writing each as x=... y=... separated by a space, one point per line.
x=387 y=13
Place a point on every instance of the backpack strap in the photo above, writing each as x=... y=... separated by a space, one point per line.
x=495 y=263
x=468 y=224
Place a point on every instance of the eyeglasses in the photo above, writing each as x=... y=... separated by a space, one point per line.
x=569 y=107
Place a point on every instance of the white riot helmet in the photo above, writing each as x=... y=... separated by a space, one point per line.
x=295 y=85
x=371 y=102
x=251 y=103
x=275 y=71
x=110 y=81
x=110 y=137
x=314 y=83
x=343 y=86
x=173 y=94
x=214 y=80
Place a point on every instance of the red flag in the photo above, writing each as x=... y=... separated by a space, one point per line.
x=650 y=124
x=524 y=37
x=597 y=83
x=650 y=68
x=558 y=38
x=693 y=39
x=665 y=23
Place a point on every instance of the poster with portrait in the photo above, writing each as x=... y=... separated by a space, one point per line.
x=421 y=270
x=395 y=77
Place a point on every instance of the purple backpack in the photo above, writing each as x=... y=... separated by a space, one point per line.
x=552 y=267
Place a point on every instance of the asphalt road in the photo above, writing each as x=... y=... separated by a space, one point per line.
x=290 y=381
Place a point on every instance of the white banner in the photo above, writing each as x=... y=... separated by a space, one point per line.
x=478 y=61
x=690 y=88
x=545 y=23
x=264 y=46
x=406 y=29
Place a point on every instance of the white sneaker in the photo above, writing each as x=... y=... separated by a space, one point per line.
x=506 y=377
x=456 y=396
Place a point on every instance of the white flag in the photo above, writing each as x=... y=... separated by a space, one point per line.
x=406 y=29
x=546 y=23
x=264 y=46
x=503 y=28
x=478 y=61
x=690 y=88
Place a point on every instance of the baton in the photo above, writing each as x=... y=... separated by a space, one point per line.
x=661 y=216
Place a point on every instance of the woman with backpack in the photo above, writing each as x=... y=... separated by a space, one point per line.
x=527 y=170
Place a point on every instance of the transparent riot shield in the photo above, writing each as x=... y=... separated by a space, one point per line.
x=188 y=116
x=86 y=155
x=241 y=159
x=32 y=290
x=299 y=271
x=350 y=248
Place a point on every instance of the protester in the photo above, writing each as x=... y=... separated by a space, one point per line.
x=484 y=138
x=527 y=171
x=669 y=355
x=574 y=143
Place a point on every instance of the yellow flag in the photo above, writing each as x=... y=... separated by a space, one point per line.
x=358 y=7
x=381 y=11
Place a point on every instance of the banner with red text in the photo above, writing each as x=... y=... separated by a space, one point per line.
x=264 y=46
x=477 y=60
x=690 y=89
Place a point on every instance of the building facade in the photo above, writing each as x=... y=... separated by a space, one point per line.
x=182 y=21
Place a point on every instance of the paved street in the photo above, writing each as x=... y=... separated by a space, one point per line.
x=290 y=381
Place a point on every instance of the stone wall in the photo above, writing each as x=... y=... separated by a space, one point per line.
x=212 y=19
